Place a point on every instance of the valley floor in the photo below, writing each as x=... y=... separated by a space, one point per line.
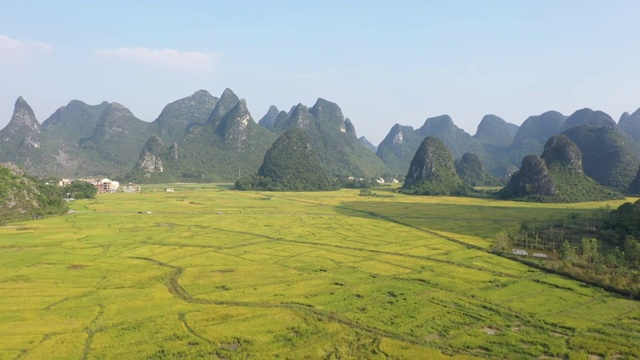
x=207 y=272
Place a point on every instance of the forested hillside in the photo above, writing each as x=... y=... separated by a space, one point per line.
x=23 y=197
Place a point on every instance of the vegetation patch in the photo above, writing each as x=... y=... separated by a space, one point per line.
x=304 y=275
x=290 y=165
x=602 y=250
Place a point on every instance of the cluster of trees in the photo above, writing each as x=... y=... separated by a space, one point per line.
x=80 y=190
x=360 y=184
x=288 y=183
x=604 y=251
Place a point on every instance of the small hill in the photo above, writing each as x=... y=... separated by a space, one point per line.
x=432 y=171
x=364 y=141
x=560 y=150
x=470 y=169
x=532 y=182
x=608 y=157
x=269 y=119
x=290 y=165
x=557 y=176
x=23 y=197
x=495 y=131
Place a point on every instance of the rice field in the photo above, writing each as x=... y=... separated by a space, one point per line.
x=207 y=272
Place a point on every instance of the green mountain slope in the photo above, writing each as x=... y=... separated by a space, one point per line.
x=228 y=145
x=401 y=143
x=556 y=176
x=20 y=140
x=61 y=136
x=269 y=119
x=587 y=117
x=630 y=125
x=334 y=140
x=398 y=148
x=70 y=123
x=608 y=157
x=177 y=117
x=494 y=130
x=634 y=187
x=367 y=144
x=23 y=197
x=470 y=169
x=117 y=139
x=432 y=171
x=290 y=165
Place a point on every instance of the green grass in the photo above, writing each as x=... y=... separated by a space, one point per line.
x=206 y=272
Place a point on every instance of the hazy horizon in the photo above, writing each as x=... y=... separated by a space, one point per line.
x=381 y=63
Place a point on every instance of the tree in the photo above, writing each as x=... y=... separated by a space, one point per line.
x=80 y=190
x=632 y=252
x=590 y=250
x=567 y=251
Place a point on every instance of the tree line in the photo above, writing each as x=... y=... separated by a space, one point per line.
x=603 y=250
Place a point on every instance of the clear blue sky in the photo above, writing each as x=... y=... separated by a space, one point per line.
x=383 y=62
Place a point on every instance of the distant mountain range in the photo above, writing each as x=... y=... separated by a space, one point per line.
x=199 y=138
x=501 y=145
x=204 y=138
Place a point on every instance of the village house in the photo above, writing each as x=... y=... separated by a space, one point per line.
x=64 y=182
x=132 y=188
x=106 y=186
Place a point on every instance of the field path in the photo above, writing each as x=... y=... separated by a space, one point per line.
x=174 y=287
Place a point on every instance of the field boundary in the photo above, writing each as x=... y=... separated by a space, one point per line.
x=174 y=287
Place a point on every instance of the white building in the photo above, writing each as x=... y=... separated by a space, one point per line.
x=107 y=186
x=132 y=188
x=64 y=182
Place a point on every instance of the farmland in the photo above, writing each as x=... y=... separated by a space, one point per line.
x=207 y=272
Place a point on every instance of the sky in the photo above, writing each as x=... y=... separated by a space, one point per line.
x=382 y=62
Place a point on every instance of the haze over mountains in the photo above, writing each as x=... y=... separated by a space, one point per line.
x=205 y=138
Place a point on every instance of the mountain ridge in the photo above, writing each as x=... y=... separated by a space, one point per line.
x=106 y=139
